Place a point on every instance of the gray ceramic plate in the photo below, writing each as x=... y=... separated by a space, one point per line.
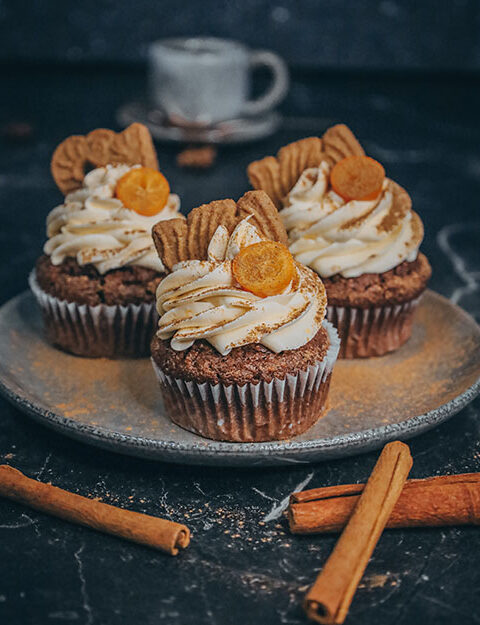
x=116 y=404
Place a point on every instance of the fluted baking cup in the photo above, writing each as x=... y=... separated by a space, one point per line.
x=119 y=331
x=366 y=332
x=264 y=411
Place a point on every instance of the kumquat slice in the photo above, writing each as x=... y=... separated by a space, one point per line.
x=357 y=178
x=264 y=268
x=143 y=190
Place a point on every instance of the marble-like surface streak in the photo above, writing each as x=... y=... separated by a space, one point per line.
x=241 y=567
x=453 y=241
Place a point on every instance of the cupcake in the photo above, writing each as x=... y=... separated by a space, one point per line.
x=356 y=229
x=242 y=352
x=96 y=280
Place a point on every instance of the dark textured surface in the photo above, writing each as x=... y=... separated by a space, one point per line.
x=239 y=568
x=313 y=33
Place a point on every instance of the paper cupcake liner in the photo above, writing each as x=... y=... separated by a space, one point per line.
x=96 y=331
x=264 y=411
x=366 y=332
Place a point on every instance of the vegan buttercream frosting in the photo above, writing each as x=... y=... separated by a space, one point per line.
x=336 y=236
x=201 y=299
x=94 y=227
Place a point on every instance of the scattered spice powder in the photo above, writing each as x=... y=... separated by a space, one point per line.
x=378 y=581
x=78 y=389
x=416 y=376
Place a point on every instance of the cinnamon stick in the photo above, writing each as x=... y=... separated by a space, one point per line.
x=147 y=530
x=433 y=502
x=329 y=599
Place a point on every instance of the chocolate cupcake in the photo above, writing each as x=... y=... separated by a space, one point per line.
x=357 y=230
x=97 y=278
x=242 y=351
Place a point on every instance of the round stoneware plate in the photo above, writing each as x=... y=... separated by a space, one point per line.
x=117 y=404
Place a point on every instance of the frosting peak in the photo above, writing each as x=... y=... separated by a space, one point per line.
x=95 y=227
x=201 y=300
x=334 y=236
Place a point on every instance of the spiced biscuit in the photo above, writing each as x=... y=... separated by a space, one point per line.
x=277 y=175
x=101 y=147
x=177 y=240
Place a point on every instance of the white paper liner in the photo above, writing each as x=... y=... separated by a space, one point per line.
x=366 y=332
x=252 y=412
x=97 y=331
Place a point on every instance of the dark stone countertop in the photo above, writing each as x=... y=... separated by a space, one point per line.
x=240 y=567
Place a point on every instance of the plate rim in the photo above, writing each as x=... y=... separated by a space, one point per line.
x=226 y=453
x=127 y=113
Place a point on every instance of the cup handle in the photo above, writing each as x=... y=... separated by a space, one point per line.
x=279 y=88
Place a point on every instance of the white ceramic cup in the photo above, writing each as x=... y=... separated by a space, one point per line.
x=204 y=80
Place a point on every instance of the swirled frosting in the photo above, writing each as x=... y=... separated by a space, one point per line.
x=200 y=299
x=333 y=236
x=95 y=227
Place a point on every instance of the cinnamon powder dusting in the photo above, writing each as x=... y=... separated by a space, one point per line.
x=85 y=389
x=421 y=376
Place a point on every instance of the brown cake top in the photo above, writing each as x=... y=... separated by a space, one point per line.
x=403 y=283
x=248 y=364
x=178 y=239
x=101 y=147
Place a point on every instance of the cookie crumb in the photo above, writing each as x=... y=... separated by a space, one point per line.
x=17 y=131
x=200 y=157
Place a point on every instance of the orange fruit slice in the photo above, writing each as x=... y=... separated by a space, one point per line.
x=143 y=190
x=264 y=268
x=357 y=178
